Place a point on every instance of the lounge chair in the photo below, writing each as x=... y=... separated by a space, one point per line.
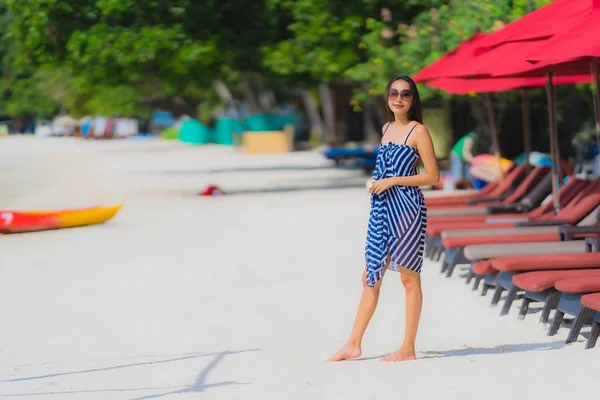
x=510 y=266
x=482 y=255
x=570 y=292
x=485 y=206
x=498 y=192
x=570 y=215
x=590 y=307
x=539 y=285
x=493 y=189
x=572 y=191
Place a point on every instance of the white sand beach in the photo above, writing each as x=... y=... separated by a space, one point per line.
x=241 y=296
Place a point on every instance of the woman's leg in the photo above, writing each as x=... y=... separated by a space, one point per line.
x=366 y=309
x=414 y=301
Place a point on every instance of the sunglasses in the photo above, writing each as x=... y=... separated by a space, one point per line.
x=404 y=94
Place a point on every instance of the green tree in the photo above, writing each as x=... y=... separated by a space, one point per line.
x=324 y=41
x=170 y=52
x=409 y=45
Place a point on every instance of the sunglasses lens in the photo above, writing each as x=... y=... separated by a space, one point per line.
x=392 y=94
x=405 y=94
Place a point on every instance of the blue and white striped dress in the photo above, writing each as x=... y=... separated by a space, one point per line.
x=398 y=216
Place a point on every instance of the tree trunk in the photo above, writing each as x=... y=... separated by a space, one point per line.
x=371 y=135
x=380 y=114
x=479 y=114
x=342 y=110
x=225 y=95
x=250 y=97
x=327 y=105
x=316 y=122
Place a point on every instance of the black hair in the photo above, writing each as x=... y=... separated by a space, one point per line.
x=415 y=113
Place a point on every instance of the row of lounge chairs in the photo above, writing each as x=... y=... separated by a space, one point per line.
x=514 y=243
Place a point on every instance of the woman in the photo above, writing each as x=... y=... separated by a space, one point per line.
x=397 y=220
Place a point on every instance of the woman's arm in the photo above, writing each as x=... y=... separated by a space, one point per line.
x=468 y=150
x=431 y=176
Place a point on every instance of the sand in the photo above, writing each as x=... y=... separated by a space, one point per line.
x=235 y=297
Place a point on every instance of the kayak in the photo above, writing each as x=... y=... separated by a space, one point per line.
x=33 y=221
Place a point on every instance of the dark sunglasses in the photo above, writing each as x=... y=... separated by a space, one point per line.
x=404 y=94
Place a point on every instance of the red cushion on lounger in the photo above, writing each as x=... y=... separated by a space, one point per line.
x=484 y=267
x=591 y=301
x=547 y=262
x=437 y=229
x=452 y=206
x=450 y=199
x=473 y=218
x=539 y=281
x=471 y=240
x=579 y=285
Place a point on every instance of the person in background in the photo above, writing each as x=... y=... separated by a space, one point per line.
x=462 y=154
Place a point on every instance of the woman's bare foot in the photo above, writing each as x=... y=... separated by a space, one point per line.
x=402 y=354
x=347 y=352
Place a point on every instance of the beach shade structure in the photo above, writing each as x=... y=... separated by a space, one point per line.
x=465 y=70
x=571 y=52
x=266 y=122
x=579 y=16
x=539 y=24
x=194 y=132
x=476 y=76
x=227 y=131
x=461 y=55
x=507 y=49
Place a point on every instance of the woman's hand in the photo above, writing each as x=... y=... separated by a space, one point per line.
x=369 y=184
x=382 y=185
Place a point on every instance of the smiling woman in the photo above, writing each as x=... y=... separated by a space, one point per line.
x=398 y=216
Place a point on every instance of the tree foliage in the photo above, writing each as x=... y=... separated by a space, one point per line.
x=401 y=46
x=128 y=56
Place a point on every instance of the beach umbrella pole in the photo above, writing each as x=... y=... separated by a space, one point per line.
x=553 y=141
x=526 y=126
x=494 y=132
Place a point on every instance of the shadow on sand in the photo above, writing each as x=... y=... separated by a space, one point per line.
x=334 y=185
x=480 y=351
x=199 y=385
x=272 y=168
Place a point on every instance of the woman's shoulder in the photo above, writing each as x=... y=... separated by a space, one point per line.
x=386 y=126
x=420 y=127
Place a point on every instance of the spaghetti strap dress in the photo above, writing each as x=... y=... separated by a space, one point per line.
x=398 y=216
